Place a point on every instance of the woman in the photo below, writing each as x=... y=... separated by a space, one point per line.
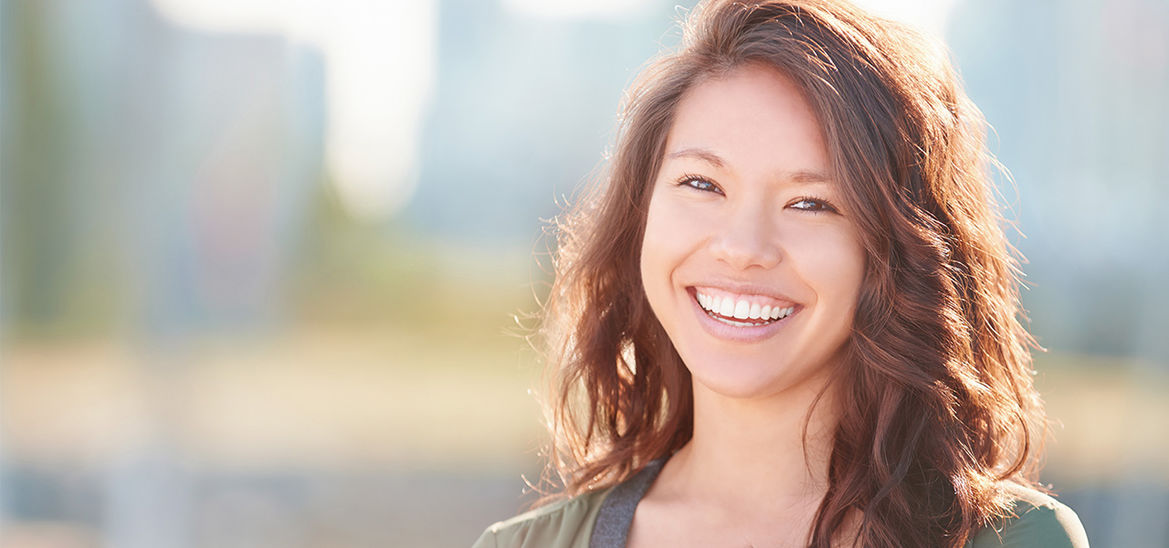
x=789 y=316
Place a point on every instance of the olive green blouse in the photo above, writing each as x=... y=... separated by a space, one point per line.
x=1039 y=521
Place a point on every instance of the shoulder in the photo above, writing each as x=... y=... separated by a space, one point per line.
x=1037 y=520
x=562 y=524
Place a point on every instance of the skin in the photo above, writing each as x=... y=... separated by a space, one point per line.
x=745 y=203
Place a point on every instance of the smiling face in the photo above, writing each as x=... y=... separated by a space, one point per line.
x=749 y=261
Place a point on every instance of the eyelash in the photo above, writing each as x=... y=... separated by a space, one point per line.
x=823 y=205
x=705 y=185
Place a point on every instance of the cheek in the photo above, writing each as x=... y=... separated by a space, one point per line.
x=833 y=261
x=670 y=236
x=655 y=248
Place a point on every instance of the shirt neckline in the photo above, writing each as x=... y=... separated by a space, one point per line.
x=614 y=518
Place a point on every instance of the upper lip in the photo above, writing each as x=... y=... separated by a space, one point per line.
x=744 y=288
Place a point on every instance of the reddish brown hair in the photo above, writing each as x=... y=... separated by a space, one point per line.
x=938 y=407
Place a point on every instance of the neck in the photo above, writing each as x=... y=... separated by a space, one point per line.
x=755 y=452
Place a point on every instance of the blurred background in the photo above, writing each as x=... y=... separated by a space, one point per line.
x=267 y=265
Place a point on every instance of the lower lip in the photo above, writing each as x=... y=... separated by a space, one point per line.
x=745 y=333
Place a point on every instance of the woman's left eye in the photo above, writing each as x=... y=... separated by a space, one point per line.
x=814 y=205
x=699 y=183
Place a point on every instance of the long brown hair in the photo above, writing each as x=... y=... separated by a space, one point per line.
x=939 y=408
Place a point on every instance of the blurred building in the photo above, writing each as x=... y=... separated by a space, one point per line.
x=154 y=183
x=524 y=106
x=152 y=175
x=1076 y=93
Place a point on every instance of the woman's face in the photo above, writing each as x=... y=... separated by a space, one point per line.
x=749 y=261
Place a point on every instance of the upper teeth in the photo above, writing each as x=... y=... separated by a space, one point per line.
x=742 y=308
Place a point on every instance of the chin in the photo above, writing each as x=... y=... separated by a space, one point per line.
x=735 y=380
x=742 y=379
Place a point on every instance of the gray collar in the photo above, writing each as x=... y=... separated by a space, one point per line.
x=615 y=516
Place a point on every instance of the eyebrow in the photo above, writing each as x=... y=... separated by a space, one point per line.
x=699 y=153
x=798 y=176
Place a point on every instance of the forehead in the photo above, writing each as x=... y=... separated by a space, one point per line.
x=753 y=117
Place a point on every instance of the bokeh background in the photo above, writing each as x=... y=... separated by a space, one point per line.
x=268 y=265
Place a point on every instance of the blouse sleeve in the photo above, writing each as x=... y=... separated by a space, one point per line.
x=486 y=540
x=1039 y=522
x=565 y=524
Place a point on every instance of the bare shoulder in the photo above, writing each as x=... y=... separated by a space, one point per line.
x=1037 y=521
x=563 y=524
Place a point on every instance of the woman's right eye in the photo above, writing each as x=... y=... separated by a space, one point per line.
x=698 y=183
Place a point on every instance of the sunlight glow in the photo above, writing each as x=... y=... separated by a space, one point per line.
x=591 y=9
x=380 y=64
x=928 y=17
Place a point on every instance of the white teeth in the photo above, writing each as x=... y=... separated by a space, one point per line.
x=742 y=309
x=727 y=307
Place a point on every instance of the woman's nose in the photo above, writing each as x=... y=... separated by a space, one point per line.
x=747 y=239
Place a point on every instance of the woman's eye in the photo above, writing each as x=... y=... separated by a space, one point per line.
x=813 y=205
x=698 y=183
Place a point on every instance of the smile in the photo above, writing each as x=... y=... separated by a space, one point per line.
x=741 y=310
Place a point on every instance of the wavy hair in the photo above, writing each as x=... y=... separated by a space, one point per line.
x=939 y=409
